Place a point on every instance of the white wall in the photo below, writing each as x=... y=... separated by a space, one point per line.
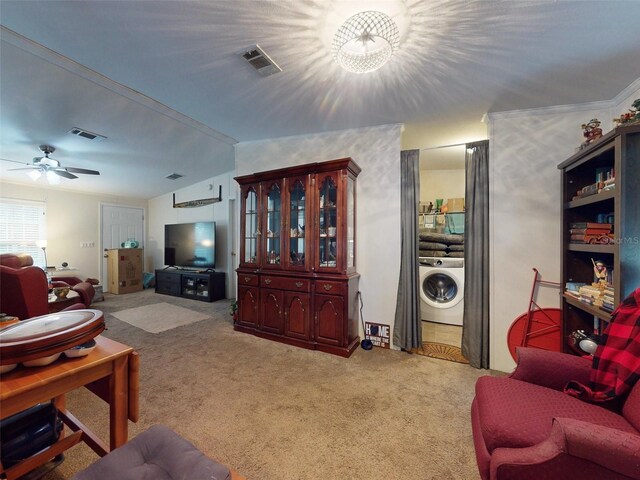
x=443 y=184
x=525 y=148
x=622 y=103
x=72 y=218
x=161 y=212
x=377 y=151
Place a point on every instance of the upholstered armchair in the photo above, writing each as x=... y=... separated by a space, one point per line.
x=24 y=288
x=526 y=427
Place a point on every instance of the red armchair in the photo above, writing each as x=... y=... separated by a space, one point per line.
x=24 y=288
x=84 y=289
x=525 y=427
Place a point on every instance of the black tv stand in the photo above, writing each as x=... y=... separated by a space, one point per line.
x=204 y=286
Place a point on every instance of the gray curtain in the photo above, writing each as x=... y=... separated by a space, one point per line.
x=407 y=332
x=475 y=331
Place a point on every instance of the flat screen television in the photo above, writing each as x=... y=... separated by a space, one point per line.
x=190 y=245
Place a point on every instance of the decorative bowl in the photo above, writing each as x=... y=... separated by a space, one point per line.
x=61 y=292
x=7 y=368
x=81 y=350
x=42 y=361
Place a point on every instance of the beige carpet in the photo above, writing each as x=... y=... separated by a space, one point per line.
x=276 y=412
x=159 y=317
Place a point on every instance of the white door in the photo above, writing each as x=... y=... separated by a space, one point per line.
x=119 y=224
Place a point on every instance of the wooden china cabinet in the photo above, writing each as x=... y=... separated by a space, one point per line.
x=297 y=279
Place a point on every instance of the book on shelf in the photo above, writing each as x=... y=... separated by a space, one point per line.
x=599 y=226
x=574 y=286
x=573 y=293
x=596 y=238
x=586 y=191
x=591 y=294
x=595 y=294
x=589 y=231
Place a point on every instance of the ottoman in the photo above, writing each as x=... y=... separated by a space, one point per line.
x=156 y=454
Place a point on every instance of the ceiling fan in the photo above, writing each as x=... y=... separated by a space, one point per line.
x=45 y=165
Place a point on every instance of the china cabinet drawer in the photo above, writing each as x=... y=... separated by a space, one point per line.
x=246 y=279
x=287 y=283
x=328 y=287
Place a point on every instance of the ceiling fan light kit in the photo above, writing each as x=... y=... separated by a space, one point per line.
x=365 y=42
x=51 y=168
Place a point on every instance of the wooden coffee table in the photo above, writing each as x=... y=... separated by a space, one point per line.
x=56 y=304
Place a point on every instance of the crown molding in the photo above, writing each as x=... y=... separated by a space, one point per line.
x=576 y=107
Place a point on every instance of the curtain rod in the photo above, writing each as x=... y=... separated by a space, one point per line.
x=444 y=146
x=453 y=145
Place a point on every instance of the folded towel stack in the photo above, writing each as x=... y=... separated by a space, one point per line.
x=434 y=244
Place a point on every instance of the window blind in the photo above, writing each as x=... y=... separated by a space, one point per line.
x=22 y=224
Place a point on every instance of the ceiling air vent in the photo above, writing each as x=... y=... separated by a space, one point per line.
x=87 y=134
x=258 y=59
x=174 y=176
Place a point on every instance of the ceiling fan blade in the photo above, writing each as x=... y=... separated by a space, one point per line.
x=14 y=161
x=82 y=170
x=25 y=168
x=63 y=173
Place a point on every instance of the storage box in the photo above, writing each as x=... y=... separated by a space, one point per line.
x=455 y=205
x=124 y=270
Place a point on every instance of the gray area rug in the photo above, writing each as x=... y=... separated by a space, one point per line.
x=159 y=317
x=277 y=412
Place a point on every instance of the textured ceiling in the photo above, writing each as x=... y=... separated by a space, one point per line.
x=457 y=60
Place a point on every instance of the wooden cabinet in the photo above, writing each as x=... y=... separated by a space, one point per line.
x=617 y=152
x=297 y=279
x=204 y=286
x=124 y=270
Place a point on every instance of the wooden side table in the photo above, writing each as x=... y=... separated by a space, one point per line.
x=110 y=371
x=57 y=304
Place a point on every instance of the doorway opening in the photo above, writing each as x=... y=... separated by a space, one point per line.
x=118 y=224
x=441 y=250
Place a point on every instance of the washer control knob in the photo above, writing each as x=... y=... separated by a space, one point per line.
x=438 y=262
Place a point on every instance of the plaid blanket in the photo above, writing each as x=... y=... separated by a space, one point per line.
x=616 y=362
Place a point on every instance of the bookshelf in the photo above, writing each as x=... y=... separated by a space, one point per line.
x=615 y=155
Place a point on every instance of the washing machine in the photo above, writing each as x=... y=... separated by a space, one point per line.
x=442 y=289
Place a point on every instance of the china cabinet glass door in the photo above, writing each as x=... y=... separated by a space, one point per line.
x=251 y=228
x=351 y=223
x=274 y=225
x=328 y=223
x=297 y=224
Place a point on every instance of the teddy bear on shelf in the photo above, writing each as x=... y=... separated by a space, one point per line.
x=591 y=132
